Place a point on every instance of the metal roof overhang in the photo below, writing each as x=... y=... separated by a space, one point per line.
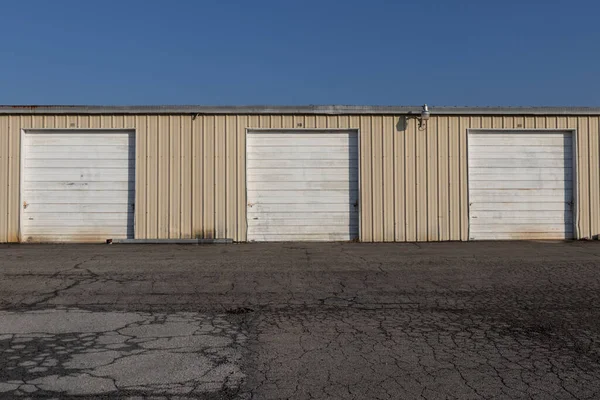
x=292 y=110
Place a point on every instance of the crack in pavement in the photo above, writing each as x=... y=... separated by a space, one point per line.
x=81 y=353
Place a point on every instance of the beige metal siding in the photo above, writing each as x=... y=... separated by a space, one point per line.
x=190 y=179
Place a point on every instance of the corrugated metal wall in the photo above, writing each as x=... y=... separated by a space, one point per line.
x=191 y=171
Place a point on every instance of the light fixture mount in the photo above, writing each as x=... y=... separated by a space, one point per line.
x=422 y=118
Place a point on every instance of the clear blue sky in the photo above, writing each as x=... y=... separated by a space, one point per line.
x=220 y=52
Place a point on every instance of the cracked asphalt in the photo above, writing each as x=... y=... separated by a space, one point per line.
x=301 y=321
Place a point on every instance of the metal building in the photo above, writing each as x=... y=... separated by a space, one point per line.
x=375 y=174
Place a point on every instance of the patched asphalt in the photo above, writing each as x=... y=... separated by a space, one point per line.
x=301 y=321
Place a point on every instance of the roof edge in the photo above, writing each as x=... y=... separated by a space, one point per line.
x=291 y=110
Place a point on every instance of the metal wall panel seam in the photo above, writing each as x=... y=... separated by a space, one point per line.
x=4 y=177
x=428 y=182
x=421 y=183
x=236 y=182
x=21 y=170
x=437 y=182
x=143 y=121
x=193 y=188
x=406 y=160
x=220 y=186
x=426 y=179
x=461 y=199
x=464 y=180
x=433 y=196
x=576 y=183
x=201 y=163
x=595 y=199
x=230 y=166
x=138 y=168
x=181 y=175
x=188 y=206
x=589 y=176
x=449 y=166
x=8 y=180
x=163 y=173
x=14 y=207
x=241 y=177
x=387 y=180
x=394 y=181
x=582 y=175
x=374 y=191
x=156 y=217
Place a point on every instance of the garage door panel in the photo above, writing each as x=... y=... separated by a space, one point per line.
x=320 y=215
x=520 y=195
x=66 y=152
x=487 y=154
x=299 y=164
x=525 y=216
x=79 y=208
x=92 y=141
x=297 y=237
x=34 y=223
x=304 y=197
x=301 y=208
x=99 y=237
x=78 y=186
x=512 y=184
x=302 y=186
x=542 y=226
x=524 y=236
x=545 y=173
x=108 y=231
x=81 y=163
x=521 y=140
x=284 y=229
x=77 y=216
x=309 y=201
x=308 y=175
x=541 y=150
x=517 y=206
x=287 y=155
x=79 y=196
x=290 y=220
x=301 y=140
x=299 y=149
x=514 y=163
x=314 y=186
x=546 y=177
x=69 y=186
x=528 y=192
x=80 y=175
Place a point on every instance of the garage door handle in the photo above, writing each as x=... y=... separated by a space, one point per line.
x=25 y=205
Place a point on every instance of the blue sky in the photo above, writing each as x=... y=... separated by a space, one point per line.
x=240 y=52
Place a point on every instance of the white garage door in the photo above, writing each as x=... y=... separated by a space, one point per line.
x=302 y=185
x=520 y=185
x=78 y=186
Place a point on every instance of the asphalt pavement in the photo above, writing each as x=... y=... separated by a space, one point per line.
x=301 y=321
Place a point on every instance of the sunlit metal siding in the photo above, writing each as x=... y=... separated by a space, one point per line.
x=190 y=171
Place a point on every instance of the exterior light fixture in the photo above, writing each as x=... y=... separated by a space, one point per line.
x=423 y=117
x=425 y=114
